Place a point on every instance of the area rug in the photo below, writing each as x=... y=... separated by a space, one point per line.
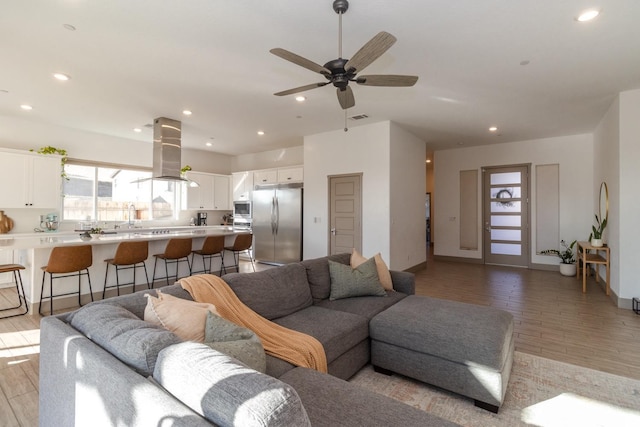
x=541 y=392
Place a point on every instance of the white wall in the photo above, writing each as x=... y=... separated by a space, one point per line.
x=269 y=159
x=574 y=154
x=103 y=148
x=407 y=196
x=628 y=196
x=391 y=161
x=363 y=149
x=606 y=168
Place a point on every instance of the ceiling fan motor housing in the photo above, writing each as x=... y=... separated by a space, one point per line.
x=339 y=77
x=340 y=6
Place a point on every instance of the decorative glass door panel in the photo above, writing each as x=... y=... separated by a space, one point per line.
x=506 y=236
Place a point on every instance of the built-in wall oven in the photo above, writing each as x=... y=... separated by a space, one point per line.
x=242 y=209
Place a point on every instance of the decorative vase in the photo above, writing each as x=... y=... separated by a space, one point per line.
x=596 y=243
x=568 y=269
x=6 y=223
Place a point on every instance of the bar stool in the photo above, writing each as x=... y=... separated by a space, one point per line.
x=129 y=255
x=63 y=260
x=17 y=277
x=213 y=247
x=177 y=250
x=242 y=243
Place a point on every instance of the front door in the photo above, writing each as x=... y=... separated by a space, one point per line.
x=506 y=215
x=345 y=213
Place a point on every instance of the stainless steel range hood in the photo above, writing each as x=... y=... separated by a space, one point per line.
x=167 y=146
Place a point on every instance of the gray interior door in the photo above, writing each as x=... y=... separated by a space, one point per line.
x=506 y=215
x=345 y=213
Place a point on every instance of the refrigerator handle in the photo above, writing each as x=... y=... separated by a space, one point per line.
x=273 y=217
x=277 y=215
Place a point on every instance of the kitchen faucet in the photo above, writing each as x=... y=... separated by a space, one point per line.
x=131 y=207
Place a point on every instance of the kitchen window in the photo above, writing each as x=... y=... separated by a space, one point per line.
x=114 y=193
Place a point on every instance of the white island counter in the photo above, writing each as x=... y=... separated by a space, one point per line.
x=33 y=249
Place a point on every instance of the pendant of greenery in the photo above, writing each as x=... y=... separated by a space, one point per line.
x=53 y=150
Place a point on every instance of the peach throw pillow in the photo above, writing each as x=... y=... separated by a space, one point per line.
x=383 y=271
x=186 y=319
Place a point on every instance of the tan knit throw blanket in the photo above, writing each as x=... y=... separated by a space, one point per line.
x=289 y=345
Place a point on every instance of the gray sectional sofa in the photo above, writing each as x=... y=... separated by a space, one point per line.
x=103 y=365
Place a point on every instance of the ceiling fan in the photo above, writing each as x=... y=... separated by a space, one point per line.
x=339 y=72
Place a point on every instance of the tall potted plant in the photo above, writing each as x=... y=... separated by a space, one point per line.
x=596 y=232
x=567 y=258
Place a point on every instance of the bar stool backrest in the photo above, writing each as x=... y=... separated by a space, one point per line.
x=177 y=248
x=213 y=245
x=242 y=242
x=67 y=259
x=129 y=253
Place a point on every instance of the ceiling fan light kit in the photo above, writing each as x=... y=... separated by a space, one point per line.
x=339 y=72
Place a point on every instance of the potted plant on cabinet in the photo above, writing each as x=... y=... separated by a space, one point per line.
x=596 y=233
x=567 y=259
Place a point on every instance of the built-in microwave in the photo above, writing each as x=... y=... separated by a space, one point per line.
x=242 y=209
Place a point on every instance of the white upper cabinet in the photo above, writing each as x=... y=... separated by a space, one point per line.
x=242 y=185
x=279 y=176
x=31 y=180
x=221 y=190
x=211 y=194
x=291 y=175
x=269 y=176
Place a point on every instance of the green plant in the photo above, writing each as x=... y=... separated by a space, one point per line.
x=565 y=255
x=596 y=233
x=185 y=169
x=48 y=149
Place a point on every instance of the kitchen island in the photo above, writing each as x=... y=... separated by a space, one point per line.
x=32 y=250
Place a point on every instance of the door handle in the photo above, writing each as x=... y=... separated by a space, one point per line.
x=333 y=231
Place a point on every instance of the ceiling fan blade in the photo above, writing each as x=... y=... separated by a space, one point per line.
x=387 y=80
x=299 y=60
x=301 y=89
x=345 y=98
x=371 y=51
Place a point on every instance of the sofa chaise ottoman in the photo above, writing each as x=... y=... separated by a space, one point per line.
x=464 y=348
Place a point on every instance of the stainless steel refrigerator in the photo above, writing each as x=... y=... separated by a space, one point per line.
x=277 y=223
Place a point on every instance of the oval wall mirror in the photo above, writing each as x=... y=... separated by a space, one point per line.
x=604 y=202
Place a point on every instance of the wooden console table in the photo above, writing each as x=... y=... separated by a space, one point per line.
x=588 y=254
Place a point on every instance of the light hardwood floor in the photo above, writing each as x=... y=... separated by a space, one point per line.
x=554 y=319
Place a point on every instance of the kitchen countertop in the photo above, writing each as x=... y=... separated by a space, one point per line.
x=72 y=238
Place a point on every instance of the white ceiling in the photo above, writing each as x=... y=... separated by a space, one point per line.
x=134 y=60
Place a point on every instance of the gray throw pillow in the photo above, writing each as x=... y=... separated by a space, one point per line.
x=226 y=392
x=357 y=282
x=123 y=334
x=235 y=341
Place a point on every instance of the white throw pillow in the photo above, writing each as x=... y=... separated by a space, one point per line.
x=186 y=319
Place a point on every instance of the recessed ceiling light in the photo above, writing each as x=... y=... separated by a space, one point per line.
x=493 y=129
x=208 y=144
x=428 y=160
x=61 y=77
x=69 y=27
x=300 y=98
x=187 y=112
x=260 y=132
x=525 y=62
x=588 y=15
x=138 y=130
x=26 y=107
